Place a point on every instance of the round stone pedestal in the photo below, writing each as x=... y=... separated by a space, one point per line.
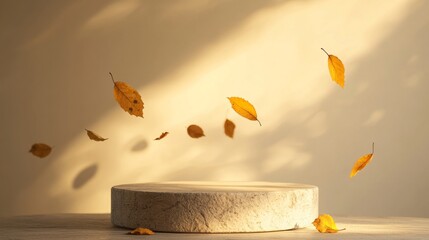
x=214 y=207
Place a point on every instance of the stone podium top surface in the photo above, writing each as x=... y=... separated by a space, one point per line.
x=98 y=226
x=189 y=187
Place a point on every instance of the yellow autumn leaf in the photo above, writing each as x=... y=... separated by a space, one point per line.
x=229 y=128
x=195 y=131
x=40 y=150
x=128 y=98
x=326 y=224
x=161 y=136
x=362 y=162
x=244 y=108
x=94 y=136
x=336 y=69
x=142 y=231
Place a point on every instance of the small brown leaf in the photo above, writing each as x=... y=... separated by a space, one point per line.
x=162 y=136
x=94 y=136
x=142 y=231
x=128 y=98
x=195 y=131
x=40 y=150
x=229 y=127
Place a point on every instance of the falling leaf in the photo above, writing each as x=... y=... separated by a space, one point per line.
x=94 y=136
x=244 y=108
x=229 y=127
x=336 y=69
x=128 y=98
x=195 y=131
x=325 y=224
x=142 y=231
x=40 y=150
x=362 y=162
x=162 y=136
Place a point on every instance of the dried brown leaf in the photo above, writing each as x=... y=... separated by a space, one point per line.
x=161 y=136
x=40 y=150
x=229 y=128
x=94 y=136
x=195 y=131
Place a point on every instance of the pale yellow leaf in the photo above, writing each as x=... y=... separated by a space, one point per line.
x=325 y=224
x=336 y=69
x=195 y=131
x=244 y=108
x=40 y=150
x=362 y=162
x=94 y=136
x=128 y=98
x=142 y=231
x=229 y=128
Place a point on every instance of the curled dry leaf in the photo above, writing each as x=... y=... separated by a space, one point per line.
x=142 y=231
x=161 y=136
x=40 y=150
x=195 y=131
x=128 y=98
x=229 y=127
x=94 y=136
x=336 y=69
x=326 y=224
x=244 y=108
x=362 y=162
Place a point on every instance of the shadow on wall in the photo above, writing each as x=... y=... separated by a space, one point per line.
x=59 y=52
x=384 y=101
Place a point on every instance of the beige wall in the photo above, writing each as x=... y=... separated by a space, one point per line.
x=185 y=58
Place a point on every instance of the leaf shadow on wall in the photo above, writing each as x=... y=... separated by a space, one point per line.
x=84 y=176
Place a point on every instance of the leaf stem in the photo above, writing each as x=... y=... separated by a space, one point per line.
x=113 y=80
x=325 y=51
x=260 y=124
x=372 y=147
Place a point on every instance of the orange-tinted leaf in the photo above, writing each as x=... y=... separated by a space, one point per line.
x=195 y=131
x=325 y=224
x=362 y=162
x=229 y=127
x=244 y=108
x=40 y=150
x=336 y=69
x=142 y=231
x=161 y=136
x=94 y=136
x=128 y=98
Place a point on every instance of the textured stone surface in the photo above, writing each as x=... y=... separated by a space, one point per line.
x=214 y=207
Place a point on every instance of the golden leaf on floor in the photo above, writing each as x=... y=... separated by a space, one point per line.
x=326 y=224
x=141 y=231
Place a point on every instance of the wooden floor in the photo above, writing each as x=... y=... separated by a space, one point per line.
x=98 y=226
